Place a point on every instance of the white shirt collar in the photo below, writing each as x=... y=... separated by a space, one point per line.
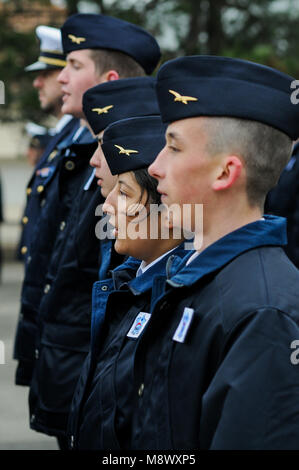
x=192 y=257
x=62 y=123
x=144 y=267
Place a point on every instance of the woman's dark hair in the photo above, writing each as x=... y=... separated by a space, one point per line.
x=148 y=184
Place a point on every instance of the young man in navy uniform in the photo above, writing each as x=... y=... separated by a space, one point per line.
x=215 y=366
x=107 y=49
x=50 y=62
x=41 y=186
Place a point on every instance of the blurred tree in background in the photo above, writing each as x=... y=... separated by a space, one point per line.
x=266 y=31
x=19 y=47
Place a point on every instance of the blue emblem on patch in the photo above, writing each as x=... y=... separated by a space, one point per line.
x=138 y=325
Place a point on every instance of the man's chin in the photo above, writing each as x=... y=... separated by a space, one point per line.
x=104 y=193
x=65 y=109
x=47 y=108
x=74 y=112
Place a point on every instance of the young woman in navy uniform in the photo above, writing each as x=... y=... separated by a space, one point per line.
x=101 y=411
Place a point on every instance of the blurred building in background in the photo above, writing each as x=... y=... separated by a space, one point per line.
x=15 y=172
x=25 y=15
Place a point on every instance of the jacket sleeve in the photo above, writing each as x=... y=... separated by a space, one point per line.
x=252 y=401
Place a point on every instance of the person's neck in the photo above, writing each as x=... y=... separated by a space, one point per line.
x=56 y=112
x=160 y=248
x=222 y=221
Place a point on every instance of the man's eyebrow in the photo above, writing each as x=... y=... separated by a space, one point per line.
x=173 y=135
x=73 y=59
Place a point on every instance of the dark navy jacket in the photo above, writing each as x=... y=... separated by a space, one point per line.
x=58 y=196
x=39 y=184
x=220 y=375
x=95 y=421
x=63 y=337
x=283 y=200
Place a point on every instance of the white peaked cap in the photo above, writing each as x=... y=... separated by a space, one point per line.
x=51 y=52
x=50 y=38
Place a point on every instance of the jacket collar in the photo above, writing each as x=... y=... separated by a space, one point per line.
x=267 y=232
x=123 y=273
x=144 y=282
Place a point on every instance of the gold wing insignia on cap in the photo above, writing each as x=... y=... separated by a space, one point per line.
x=76 y=39
x=102 y=110
x=125 y=151
x=181 y=98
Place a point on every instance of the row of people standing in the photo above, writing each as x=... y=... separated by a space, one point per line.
x=64 y=255
x=181 y=362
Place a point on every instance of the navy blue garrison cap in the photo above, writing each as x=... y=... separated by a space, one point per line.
x=134 y=143
x=119 y=99
x=222 y=86
x=90 y=31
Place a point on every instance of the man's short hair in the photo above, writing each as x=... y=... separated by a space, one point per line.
x=264 y=150
x=124 y=65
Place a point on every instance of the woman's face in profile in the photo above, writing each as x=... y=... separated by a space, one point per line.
x=128 y=209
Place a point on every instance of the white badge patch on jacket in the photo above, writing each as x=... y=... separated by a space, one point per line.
x=184 y=325
x=139 y=324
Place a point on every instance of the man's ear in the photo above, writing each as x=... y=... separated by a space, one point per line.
x=229 y=173
x=110 y=75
